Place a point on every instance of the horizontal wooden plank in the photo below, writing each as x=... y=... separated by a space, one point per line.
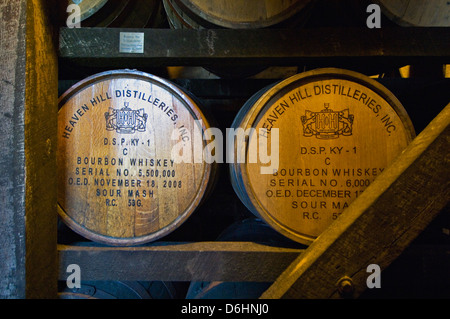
x=99 y=47
x=200 y=261
x=379 y=224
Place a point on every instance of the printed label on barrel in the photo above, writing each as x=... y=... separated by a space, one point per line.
x=116 y=174
x=336 y=137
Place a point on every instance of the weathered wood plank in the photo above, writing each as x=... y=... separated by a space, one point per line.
x=28 y=99
x=98 y=47
x=200 y=261
x=41 y=94
x=12 y=161
x=379 y=224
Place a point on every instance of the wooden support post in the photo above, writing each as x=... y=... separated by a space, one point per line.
x=99 y=47
x=379 y=224
x=28 y=100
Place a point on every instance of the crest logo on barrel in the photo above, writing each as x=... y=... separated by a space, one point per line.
x=327 y=124
x=126 y=120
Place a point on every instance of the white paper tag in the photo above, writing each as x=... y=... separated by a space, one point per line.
x=131 y=42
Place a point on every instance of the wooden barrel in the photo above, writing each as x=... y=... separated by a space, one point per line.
x=328 y=133
x=121 y=290
x=121 y=13
x=88 y=7
x=238 y=14
x=256 y=230
x=227 y=290
x=130 y=157
x=418 y=13
x=248 y=14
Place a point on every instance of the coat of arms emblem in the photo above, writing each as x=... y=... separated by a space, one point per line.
x=327 y=124
x=126 y=120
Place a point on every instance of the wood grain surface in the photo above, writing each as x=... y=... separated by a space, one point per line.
x=432 y=13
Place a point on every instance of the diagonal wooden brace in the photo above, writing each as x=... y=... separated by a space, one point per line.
x=379 y=224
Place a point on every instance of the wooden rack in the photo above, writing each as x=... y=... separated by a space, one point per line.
x=376 y=228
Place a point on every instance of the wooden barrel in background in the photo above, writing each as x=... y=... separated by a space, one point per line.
x=121 y=13
x=248 y=14
x=88 y=7
x=239 y=14
x=121 y=290
x=122 y=176
x=418 y=13
x=337 y=131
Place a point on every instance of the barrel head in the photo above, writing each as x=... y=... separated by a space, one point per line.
x=121 y=178
x=323 y=137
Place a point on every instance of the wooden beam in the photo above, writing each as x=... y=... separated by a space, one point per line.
x=379 y=224
x=28 y=98
x=41 y=94
x=99 y=47
x=200 y=261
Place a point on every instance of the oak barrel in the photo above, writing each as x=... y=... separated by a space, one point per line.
x=310 y=144
x=121 y=13
x=130 y=157
x=120 y=290
x=239 y=14
x=418 y=13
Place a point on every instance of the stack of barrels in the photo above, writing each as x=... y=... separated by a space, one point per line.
x=250 y=229
x=131 y=145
